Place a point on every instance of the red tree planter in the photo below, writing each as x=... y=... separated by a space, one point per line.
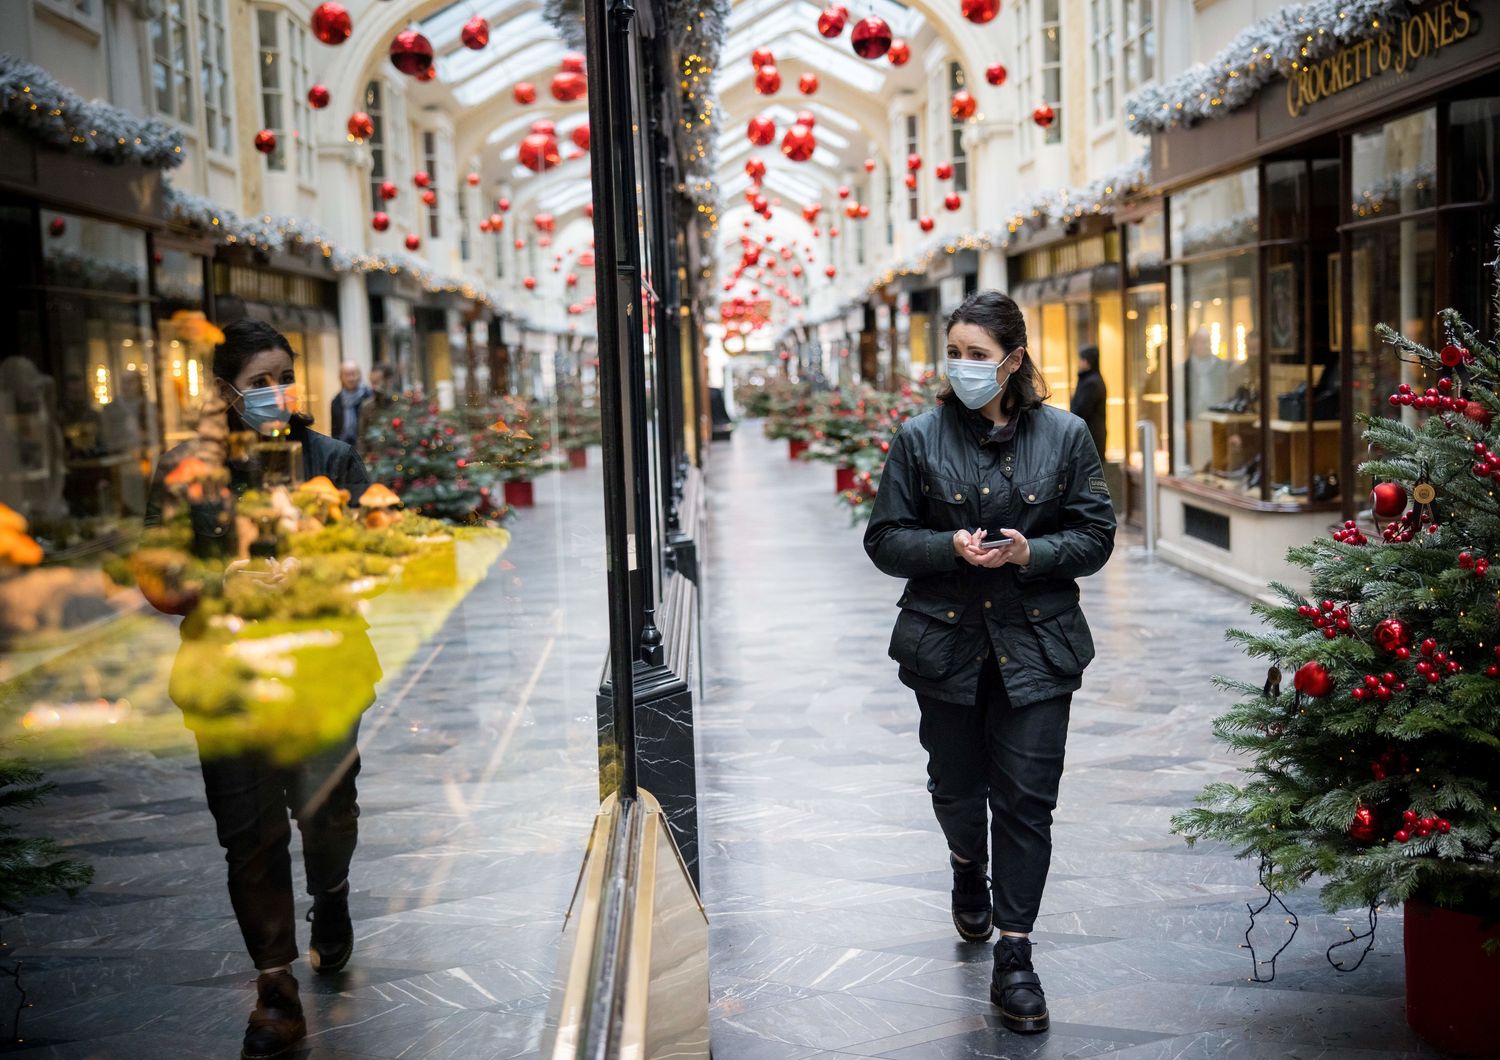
x=1451 y=982
x=795 y=448
x=520 y=494
x=843 y=479
x=578 y=458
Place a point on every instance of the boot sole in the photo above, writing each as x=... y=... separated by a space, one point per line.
x=296 y=1042
x=320 y=966
x=1020 y=1024
x=970 y=936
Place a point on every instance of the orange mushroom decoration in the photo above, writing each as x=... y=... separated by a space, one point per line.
x=329 y=498
x=188 y=476
x=377 y=502
x=17 y=548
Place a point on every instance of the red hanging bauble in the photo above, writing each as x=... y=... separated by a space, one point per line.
x=925 y=223
x=361 y=126
x=538 y=152
x=963 y=105
x=569 y=85
x=411 y=53
x=529 y=283
x=388 y=190
x=475 y=34
x=331 y=23
x=524 y=92
x=761 y=57
x=1362 y=828
x=758 y=203
x=952 y=201
x=520 y=244
x=1388 y=499
x=588 y=211
x=871 y=37
x=851 y=211
x=574 y=62
x=429 y=198
x=831 y=21
x=544 y=241
x=910 y=180
x=995 y=74
x=980 y=11
x=899 y=53
x=381 y=221
x=1313 y=679
x=807 y=84
x=473 y=179
x=545 y=126
x=833 y=231
x=830 y=272
x=761 y=131
x=755 y=169
x=503 y=205
x=864 y=211
x=768 y=80
x=571 y=279
x=57 y=226
x=413 y=241
x=913 y=162
x=943 y=171
x=1044 y=115
x=544 y=222
x=869 y=165
x=1390 y=634
x=265 y=141
x=806 y=117
x=421 y=178
x=810 y=213
x=318 y=97
x=843 y=191
x=497 y=223
x=580 y=136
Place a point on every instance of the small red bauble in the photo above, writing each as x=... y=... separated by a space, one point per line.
x=411 y=53
x=1452 y=355
x=331 y=23
x=943 y=171
x=581 y=136
x=413 y=241
x=57 y=226
x=843 y=191
x=925 y=223
x=807 y=84
x=760 y=131
x=520 y=244
x=831 y=20
x=952 y=201
x=569 y=85
x=755 y=169
x=995 y=74
x=529 y=283
x=318 y=97
x=503 y=205
x=1362 y=828
x=475 y=34
x=544 y=222
x=799 y=143
x=524 y=92
x=910 y=180
x=265 y=141
x=381 y=221
x=871 y=37
x=899 y=53
x=1044 y=115
x=761 y=57
x=963 y=105
x=913 y=162
x=571 y=279
x=473 y=179
x=810 y=213
x=429 y=197
x=573 y=62
x=768 y=80
x=869 y=165
x=864 y=211
x=1388 y=499
x=388 y=190
x=980 y=11
x=1390 y=634
x=421 y=178
x=830 y=272
x=1478 y=413
x=1313 y=679
x=360 y=125
x=538 y=152
x=806 y=117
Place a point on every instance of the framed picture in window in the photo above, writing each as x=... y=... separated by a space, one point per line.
x=1281 y=308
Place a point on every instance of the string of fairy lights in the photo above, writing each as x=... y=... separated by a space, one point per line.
x=59 y=116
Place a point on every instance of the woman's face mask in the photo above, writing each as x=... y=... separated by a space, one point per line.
x=266 y=408
x=977 y=383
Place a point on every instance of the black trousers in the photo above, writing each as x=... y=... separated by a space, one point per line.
x=988 y=755
x=250 y=798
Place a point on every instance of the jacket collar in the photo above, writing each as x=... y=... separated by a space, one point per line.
x=982 y=430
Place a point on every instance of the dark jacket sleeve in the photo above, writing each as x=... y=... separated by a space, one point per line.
x=336 y=416
x=1087 y=536
x=895 y=537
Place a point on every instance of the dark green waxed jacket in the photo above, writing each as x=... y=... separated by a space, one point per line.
x=945 y=473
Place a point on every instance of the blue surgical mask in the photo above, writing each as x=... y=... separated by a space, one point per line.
x=265 y=408
x=976 y=383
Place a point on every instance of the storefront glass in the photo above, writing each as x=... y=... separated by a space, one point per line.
x=1145 y=339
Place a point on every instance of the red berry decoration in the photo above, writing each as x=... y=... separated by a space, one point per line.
x=831 y=20
x=1362 y=828
x=331 y=23
x=760 y=131
x=925 y=223
x=524 y=92
x=899 y=53
x=995 y=74
x=963 y=105
x=807 y=84
x=1313 y=679
x=265 y=141
x=799 y=143
x=871 y=37
x=761 y=57
x=1402 y=835
x=1391 y=634
x=1044 y=115
x=475 y=34
x=538 y=152
x=318 y=97
x=413 y=241
x=361 y=126
x=411 y=53
x=381 y=221
x=568 y=86
x=980 y=11
x=1388 y=499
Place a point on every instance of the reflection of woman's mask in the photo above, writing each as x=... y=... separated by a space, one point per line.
x=266 y=408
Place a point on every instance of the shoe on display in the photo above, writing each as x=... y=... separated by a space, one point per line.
x=973 y=911
x=332 y=942
x=1016 y=988
x=276 y=1024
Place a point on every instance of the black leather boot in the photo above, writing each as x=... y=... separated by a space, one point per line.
x=973 y=910
x=1016 y=988
x=276 y=1024
x=332 y=942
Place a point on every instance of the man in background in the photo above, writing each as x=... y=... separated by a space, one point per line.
x=343 y=418
x=1089 y=395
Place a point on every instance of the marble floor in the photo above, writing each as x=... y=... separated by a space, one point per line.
x=824 y=871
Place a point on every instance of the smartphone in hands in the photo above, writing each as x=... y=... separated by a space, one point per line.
x=998 y=541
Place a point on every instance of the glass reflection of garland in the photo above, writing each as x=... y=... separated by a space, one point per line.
x=1220 y=235
x=1388 y=196
x=69 y=268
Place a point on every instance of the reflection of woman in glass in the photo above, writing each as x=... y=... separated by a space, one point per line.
x=251 y=782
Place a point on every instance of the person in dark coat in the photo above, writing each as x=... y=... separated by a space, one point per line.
x=991 y=506
x=344 y=410
x=252 y=791
x=1089 y=396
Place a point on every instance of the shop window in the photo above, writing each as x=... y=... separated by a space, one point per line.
x=1473 y=150
x=1102 y=59
x=376 y=143
x=1146 y=351
x=1050 y=69
x=461 y=192
x=214 y=65
x=958 y=156
x=284 y=80
x=185 y=364
x=913 y=146
x=1393 y=166
x=1039 y=68
x=430 y=164
x=1140 y=44
x=171 y=61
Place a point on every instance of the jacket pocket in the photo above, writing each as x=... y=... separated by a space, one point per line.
x=928 y=636
x=1040 y=501
x=948 y=502
x=1062 y=633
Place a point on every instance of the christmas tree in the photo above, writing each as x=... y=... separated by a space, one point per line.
x=428 y=457
x=1377 y=767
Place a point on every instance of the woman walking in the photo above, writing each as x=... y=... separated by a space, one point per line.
x=991 y=505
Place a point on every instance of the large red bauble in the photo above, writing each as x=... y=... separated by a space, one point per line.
x=318 y=97
x=995 y=74
x=807 y=84
x=1452 y=355
x=913 y=163
x=529 y=283
x=925 y=223
x=1313 y=679
x=1362 y=828
x=768 y=80
x=1388 y=499
x=538 y=152
x=952 y=201
x=388 y=190
x=421 y=178
x=761 y=57
x=475 y=34
x=761 y=131
x=943 y=171
x=381 y=221
x=1044 y=115
x=831 y=20
x=331 y=23
x=581 y=136
x=574 y=62
x=899 y=53
x=1390 y=634
x=413 y=241
x=963 y=105
x=1478 y=413
x=265 y=141
x=569 y=85
x=429 y=197
x=524 y=92
x=871 y=37
x=361 y=126
x=411 y=53
x=755 y=168
x=980 y=11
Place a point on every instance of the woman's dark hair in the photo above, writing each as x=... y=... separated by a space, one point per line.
x=243 y=340
x=1089 y=353
x=1001 y=319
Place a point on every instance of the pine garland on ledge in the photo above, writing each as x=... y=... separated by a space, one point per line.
x=56 y=115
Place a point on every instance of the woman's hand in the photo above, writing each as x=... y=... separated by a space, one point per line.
x=967 y=546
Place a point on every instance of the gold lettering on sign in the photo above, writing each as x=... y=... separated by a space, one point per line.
x=1398 y=48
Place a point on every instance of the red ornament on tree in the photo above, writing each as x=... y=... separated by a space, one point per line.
x=1362 y=828
x=899 y=53
x=980 y=11
x=475 y=34
x=952 y=201
x=1044 y=115
x=1452 y=355
x=318 y=97
x=843 y=191
x=503 y=205
x=360 y=125
x=761 y=57
x=768 y=80
x=1313 y=679
x=799 y=143
x=810 y=213
x=381 y=221
x=871 y=37
x=388 y=190
x=331 y=23
x=1391 y=634
x=831 y=20
x=568 y=86
x=761 y=131
x=413 y=241
x=265 y=141
x=925 y=223
x=524 y=92
x=963 y=105
x=806 y=117
x=1388 y=499
x=1477 y=413
x=807 y=84
x=411 y=53
x=995 y=74
x=538 y=152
